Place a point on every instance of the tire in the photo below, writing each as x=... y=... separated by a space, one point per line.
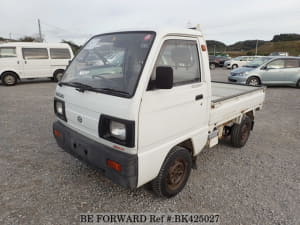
x=9 y=79
x=253 y=81
x=234 y=66
x=174 y=173
x=57 y=76
x=212 y=66
x=298 y=84
x=241 y=132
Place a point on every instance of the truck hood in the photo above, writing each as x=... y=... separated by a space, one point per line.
x=83 y=110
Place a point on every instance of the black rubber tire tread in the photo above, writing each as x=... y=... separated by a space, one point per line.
x=298 y=84
x=234 y=66
x=236 y=133
x=258 y=80
x=55 y=74
x=158 y=183
x=6 y=74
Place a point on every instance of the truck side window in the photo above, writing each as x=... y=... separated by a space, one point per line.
x=8 y=52
x=183 y=57
x=35 y=53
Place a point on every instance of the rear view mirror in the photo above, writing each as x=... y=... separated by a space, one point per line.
x=164 y=77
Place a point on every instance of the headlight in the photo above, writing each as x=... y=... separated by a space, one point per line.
x=59 y=109
x=117 y=130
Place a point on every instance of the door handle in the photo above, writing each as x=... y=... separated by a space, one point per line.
x=25 y=62
x=18 y=62
x=199 y=97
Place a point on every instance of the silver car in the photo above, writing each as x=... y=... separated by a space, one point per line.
x=269 y=71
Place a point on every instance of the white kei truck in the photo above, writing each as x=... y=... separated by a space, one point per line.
x=140 y=106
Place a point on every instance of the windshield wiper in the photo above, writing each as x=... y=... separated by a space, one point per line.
x=115 y=91
x=85 y=87
x=79 y=86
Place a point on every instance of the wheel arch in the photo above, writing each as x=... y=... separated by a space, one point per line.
x=57 y=71
x=10 y=71
x=256 y=76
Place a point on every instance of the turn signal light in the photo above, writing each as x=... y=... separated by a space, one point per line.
x=114 y=165
x=204 y=48
x=57 y=133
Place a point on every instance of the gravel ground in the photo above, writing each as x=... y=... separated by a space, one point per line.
x=41 y=184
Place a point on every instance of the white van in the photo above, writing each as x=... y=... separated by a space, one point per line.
x=22 y=60
x=140 y=106
x=239 y=61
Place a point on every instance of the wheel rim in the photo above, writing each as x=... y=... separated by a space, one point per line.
x=177 y=173
x=253 y=82
x=9 y=79
x=59 y=76
x=245 y=133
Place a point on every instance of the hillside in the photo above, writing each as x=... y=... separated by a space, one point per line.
x=280 y=43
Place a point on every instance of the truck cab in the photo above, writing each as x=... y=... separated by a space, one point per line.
x=137 y=105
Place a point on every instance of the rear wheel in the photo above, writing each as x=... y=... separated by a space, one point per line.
x=241 y=132
x=174 y=173
x=58 y=75
x=253 y=81
x=9 y=79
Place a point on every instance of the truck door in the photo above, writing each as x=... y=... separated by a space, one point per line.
x=36 y=62
x=171 y=115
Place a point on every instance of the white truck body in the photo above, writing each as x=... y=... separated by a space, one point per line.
x=191 y=115
x=33 y=60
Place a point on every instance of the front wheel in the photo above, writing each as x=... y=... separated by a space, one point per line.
x=58 y=75
x=174 y=173
x=234 y=66
x=253 y=81
x=9 y=79
x=298 y=84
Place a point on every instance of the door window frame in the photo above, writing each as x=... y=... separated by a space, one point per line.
x=177 y=38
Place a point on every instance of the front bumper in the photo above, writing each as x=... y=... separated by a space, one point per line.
x=237 y=79
x=96 y=155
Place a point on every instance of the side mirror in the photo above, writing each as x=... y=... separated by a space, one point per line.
x=164 y=77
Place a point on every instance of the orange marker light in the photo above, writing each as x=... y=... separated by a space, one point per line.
x=114 y=165
x=203 y=47
x=57 y=133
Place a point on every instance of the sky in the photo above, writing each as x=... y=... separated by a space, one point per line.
x=77 y=20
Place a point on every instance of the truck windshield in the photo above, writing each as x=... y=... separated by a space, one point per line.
x=110 y=63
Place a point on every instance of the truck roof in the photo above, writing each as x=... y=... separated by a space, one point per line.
x=163 y=31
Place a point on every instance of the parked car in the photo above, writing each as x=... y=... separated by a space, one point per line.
x=269 y=71
x=217 y=61
x=279 y=54
x=23 y=60
x=239 y=61
x=147 y=118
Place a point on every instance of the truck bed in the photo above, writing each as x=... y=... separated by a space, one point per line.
x=231 y=100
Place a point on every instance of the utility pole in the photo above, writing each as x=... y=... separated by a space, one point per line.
x=40 y=31
x=256 y=47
